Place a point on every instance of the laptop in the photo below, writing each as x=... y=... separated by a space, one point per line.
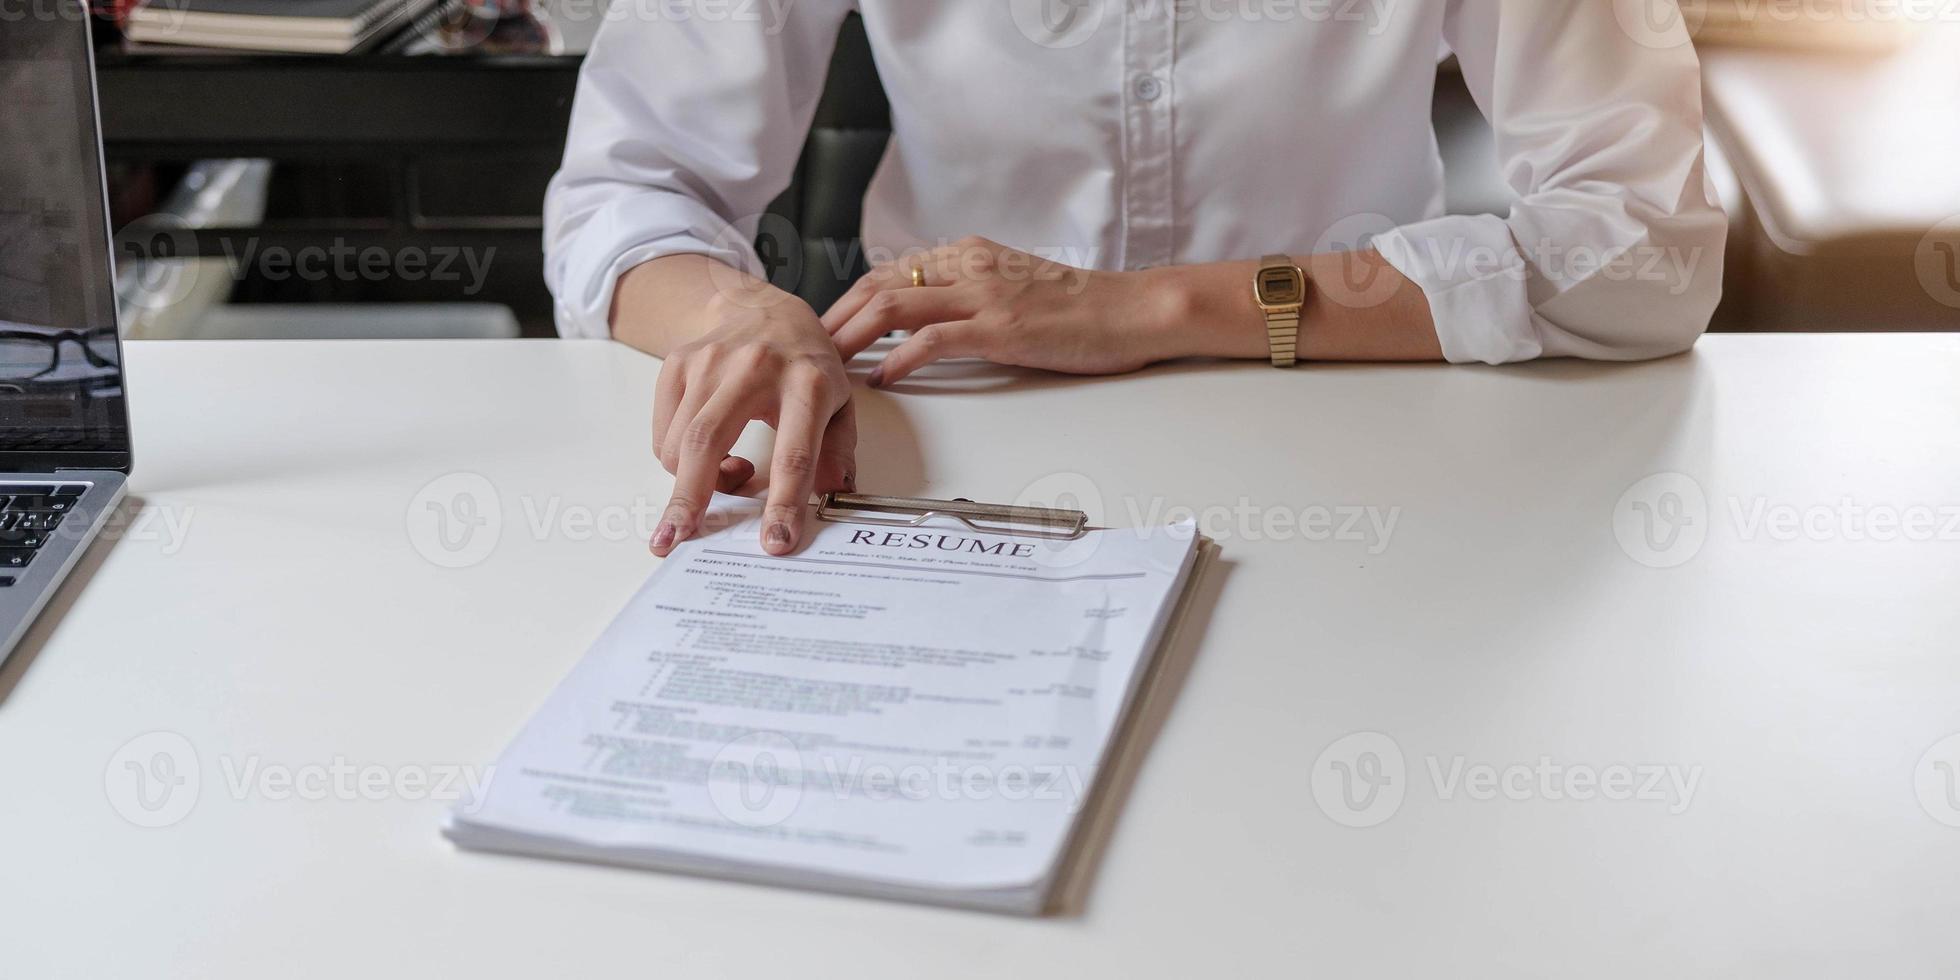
x=64 y=427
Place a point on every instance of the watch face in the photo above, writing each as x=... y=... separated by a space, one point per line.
x=1281 y=285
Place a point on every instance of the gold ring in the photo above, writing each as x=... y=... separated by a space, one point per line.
x=918 y=275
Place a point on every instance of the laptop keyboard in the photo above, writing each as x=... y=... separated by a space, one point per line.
x=29 y=513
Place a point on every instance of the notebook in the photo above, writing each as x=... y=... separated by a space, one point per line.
x=923 y=709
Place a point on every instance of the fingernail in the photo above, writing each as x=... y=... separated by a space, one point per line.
x=663 y=536
x=777 y=536
x=877 y=379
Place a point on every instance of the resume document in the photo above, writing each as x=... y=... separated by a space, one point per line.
x=911 y=712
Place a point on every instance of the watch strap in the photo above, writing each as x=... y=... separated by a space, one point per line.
x=1283 y=337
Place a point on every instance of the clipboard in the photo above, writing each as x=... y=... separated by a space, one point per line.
x=1065 y=880
x=1050 y=523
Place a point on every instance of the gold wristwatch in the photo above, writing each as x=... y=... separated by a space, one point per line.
x=1280 y=289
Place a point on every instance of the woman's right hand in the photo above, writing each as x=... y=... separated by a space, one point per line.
x=767 y=358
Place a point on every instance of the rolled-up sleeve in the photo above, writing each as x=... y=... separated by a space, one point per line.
x=688 y=122
x=1614 y=249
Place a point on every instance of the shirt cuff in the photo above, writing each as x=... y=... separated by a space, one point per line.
x=628 y=233
x=1476 y=282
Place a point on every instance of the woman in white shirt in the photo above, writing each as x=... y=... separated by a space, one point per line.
x=1149 y=152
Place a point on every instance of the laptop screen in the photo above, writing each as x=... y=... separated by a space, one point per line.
x=60 y=364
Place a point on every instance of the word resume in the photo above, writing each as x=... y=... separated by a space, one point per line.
x=907 y=712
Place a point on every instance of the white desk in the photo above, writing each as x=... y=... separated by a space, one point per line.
x=296 y=625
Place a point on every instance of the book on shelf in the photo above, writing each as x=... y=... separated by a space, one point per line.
x=282 y=26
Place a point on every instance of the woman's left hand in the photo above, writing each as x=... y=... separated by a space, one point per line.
x=983 y=299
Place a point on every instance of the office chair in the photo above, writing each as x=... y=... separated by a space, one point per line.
x=809 y=240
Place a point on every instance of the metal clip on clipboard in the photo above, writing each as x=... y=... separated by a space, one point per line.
x=1030 y=522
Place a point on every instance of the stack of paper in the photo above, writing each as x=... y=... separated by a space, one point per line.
x=912 y=713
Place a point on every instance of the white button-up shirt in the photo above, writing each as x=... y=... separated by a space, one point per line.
x=1128 y=134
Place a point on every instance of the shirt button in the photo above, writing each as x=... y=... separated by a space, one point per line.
x=1149 y=88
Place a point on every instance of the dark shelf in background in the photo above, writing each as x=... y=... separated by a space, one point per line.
x=473 y=136
x=182 y=107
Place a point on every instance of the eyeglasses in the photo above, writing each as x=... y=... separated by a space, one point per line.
x=28 y=354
